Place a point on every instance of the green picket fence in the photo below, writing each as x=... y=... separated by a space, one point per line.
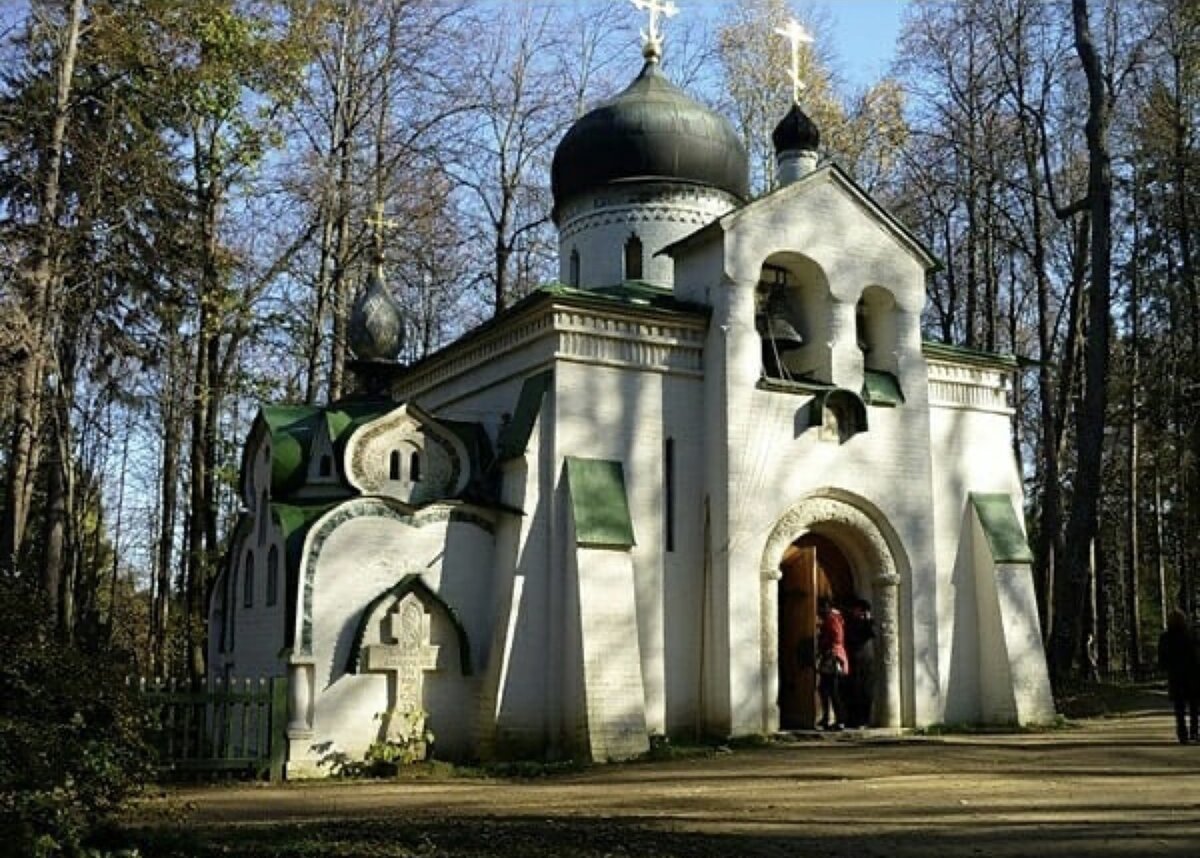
x=235 y=727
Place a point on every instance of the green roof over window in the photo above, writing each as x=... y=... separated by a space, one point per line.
x=1005 y=536
x=598 y=500
x=514 y=437
x=881 y=388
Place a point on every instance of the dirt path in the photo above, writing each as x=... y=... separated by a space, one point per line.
x=1111 y=787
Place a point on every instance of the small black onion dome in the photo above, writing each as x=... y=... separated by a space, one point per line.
x=376 y=326
x=796 y=132
x=651 y=131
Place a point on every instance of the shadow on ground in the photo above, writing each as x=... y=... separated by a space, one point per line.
x=587 y=837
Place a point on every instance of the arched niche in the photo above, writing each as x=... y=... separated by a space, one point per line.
x=793 y=316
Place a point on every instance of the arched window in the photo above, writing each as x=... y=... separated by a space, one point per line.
x=272 y=576
x=394 y=466
x=573 y=275
x=414 y=467
x=633 y=258
x=326 y=466
x=248 y=581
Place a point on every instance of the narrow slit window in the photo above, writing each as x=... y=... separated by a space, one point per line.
x=573 y=276
x=264 y=517
x=231 y=604
x=272 y=576
x=248 y=582
x=394 y=467
x=414 y=467
x=326 y=469
x=669 y=493
x=633 y=258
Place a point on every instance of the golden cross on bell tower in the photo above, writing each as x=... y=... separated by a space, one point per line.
x=652 y=40
x=795 y=33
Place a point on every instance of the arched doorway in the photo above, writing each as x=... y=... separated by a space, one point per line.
x=812 y=567
x=879 y=564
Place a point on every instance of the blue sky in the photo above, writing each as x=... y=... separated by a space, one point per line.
x=865 y=33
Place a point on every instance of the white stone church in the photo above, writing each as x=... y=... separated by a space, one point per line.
x=608 y=513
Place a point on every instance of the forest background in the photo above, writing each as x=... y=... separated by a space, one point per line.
x=189 y=191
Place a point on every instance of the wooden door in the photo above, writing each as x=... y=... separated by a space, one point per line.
x=797 y=638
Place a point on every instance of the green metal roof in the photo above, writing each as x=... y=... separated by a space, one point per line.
x=881 y=388
x=962 y=354
x=598 y=499
x=629 y=293
x=292 y=429
x=1005 y=537
x=343 y=417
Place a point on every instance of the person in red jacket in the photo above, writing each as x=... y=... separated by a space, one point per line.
x=832 y=663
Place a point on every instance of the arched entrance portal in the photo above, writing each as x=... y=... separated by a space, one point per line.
x=813 y=567
x=861 y=551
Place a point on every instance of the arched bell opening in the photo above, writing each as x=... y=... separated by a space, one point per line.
x=792 y=316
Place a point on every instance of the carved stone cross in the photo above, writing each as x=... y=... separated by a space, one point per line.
x=795 y=33
x=405 y=659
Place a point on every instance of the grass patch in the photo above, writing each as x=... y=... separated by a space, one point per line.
x=1110 y=699
x=1060 y=722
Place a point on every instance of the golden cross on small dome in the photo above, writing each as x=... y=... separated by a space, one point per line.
x=652 y=36
x=795 y=33
x=379 y=225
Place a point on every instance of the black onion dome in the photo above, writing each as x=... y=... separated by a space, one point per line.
x=652 y=130
x=796 y=132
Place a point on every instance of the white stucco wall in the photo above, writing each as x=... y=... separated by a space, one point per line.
x=972 y=452
x=359 y=560
x=668 y=584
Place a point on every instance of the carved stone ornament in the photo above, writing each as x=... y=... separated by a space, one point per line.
x=444 y=463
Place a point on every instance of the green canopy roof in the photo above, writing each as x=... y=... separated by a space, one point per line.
x=1005 y=537
x=598 y=499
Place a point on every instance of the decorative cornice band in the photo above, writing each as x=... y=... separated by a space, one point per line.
x=605 y=337
x=974 y=388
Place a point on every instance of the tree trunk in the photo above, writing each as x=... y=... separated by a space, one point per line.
x=1081 y=525
x=22 y=457
x=172 y=427
x=202 y=513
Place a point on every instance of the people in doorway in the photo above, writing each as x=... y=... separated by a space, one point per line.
x=860 y=646
x=1177 y=656
x=833 y=664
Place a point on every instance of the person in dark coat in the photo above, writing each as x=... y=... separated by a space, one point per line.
x=1178 y=657
x=860 y=646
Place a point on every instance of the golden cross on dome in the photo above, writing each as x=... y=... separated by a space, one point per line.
x=379 y=224
x=795 y=33
x=652 y=36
